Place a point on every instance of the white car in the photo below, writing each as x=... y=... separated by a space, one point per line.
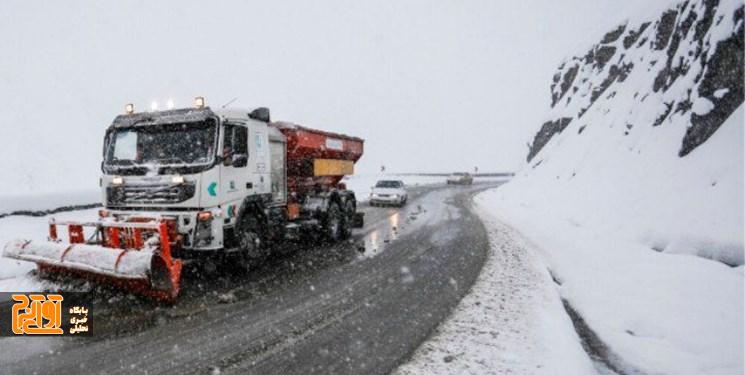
x=388 y=192
x=460 y=179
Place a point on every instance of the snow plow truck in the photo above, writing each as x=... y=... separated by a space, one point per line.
x=199 y=184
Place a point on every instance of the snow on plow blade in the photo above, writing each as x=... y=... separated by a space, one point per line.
x=128 y=264
x=131 y=255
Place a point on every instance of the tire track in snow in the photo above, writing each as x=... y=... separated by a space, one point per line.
x=605 y=360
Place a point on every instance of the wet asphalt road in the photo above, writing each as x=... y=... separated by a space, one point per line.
x=361 y=306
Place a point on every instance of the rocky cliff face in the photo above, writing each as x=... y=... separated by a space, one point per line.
x=683 y=68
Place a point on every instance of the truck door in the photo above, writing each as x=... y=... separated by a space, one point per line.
x=234 y=175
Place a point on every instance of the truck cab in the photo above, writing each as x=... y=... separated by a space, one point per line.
x=197 y=166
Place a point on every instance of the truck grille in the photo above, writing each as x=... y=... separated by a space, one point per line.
x=156 y=193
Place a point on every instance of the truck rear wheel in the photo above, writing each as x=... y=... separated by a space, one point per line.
x=349 y=209
x=334 y=223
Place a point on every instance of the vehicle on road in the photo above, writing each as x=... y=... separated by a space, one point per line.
x=460 y=178
x=388 y=192
x=202 y=185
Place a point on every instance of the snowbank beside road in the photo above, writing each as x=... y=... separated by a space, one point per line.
x=512 y=320
x=661 y=313
x=690 y=205
x=634 y=190
x=613 y=236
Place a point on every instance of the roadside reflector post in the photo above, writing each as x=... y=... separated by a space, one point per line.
x=137 y=238
x=165 y=244
x=76 y=233
x=114 y=237
x=52 y=231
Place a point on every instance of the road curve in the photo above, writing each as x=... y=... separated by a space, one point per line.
x=362 y=306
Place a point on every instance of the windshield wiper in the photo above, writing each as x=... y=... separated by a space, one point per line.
x=120 y=162
x=173 y=158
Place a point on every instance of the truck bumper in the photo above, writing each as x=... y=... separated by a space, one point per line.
x=196 y=235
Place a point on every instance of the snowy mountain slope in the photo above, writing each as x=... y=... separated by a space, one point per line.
x=629 y=119
x=634 y=190
x=682 y=70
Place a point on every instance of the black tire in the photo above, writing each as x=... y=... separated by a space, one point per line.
x=348 y=214
x=249 y=243
x=332 y=227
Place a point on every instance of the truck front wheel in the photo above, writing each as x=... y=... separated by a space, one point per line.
x=249 y=243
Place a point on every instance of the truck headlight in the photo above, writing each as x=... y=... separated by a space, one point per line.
x=177 y=179
x=204 y=216
x=203 y=229
x=117 y=180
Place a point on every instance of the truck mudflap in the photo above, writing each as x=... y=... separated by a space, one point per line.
x=358 y=221
x=131 y=255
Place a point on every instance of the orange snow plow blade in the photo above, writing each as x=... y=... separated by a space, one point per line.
x=134 y=255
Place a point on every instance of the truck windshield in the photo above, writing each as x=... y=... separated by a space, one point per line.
x=186 y=143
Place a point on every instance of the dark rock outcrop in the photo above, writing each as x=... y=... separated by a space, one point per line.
x=544 y=135
x=682 y=56
x=724 y=72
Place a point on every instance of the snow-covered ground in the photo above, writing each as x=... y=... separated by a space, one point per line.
x=622 y=249
x=47 y=201
x=647 y=240
x=634 y=206
x=512 y=321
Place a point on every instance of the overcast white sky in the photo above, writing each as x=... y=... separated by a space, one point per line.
x=431 y=85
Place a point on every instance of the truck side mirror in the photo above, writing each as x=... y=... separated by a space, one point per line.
x=261 y=114
x=240 y=160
